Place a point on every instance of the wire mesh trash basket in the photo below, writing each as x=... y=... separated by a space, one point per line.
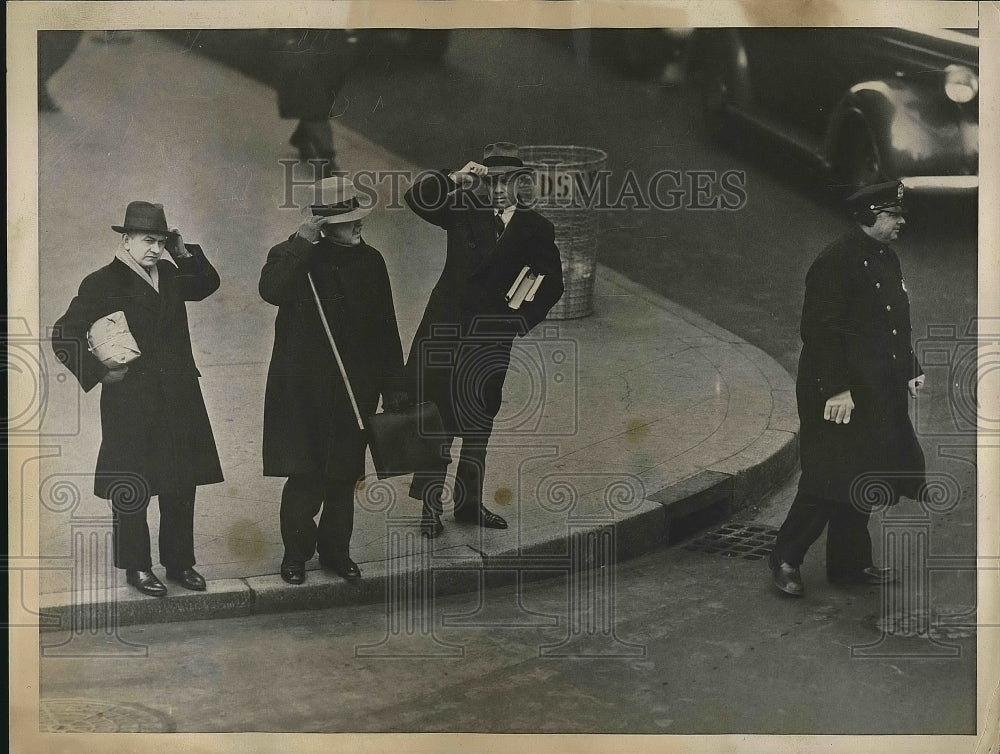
x=567 y=188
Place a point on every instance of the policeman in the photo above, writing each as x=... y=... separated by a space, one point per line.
x=856 y=368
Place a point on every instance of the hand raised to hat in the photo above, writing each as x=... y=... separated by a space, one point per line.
x=312 y=228
x=469 y=175
x=175 y=246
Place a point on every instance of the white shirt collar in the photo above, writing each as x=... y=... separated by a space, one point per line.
x=507 y=214
x=150 y=276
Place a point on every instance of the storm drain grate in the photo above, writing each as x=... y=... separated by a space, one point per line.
x=749 y=542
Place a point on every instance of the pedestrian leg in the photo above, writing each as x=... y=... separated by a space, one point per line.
x=804 y=523
x=848 y=543
x=336 y=522
x=130 y=530
x=301 y=499
x=177 y=529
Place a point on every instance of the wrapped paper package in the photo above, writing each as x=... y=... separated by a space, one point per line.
x=111 y=341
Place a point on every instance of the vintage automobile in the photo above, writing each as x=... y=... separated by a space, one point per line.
x=863 y=104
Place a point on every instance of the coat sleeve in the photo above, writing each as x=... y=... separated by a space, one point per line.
x=69 y=334
x=285 y=263
x=196 y=278
x=392 y=349
x=430 y=198
x=824 y=326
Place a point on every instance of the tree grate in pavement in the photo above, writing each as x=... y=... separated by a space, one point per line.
x=750 y=542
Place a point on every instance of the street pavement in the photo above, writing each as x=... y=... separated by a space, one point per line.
x=642 y=398
x=704 y=643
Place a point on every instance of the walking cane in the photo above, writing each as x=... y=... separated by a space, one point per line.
x=336 y=353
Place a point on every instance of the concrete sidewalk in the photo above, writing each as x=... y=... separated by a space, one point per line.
x=624 y=423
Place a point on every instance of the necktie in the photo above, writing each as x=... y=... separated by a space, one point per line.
x=498 y=224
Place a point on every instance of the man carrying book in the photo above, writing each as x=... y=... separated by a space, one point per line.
x=501 y=276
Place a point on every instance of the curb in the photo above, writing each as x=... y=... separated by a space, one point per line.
x=665 y=516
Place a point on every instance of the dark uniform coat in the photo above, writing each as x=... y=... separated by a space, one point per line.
x=856 y=336
x=153 y=422
x=309 y=425
x=467 y=323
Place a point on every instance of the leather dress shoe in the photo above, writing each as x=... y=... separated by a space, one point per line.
x=146 y=582
x=187 y=578
x=482 y=517
x=343 y=567
x=293 y=571
x=430 y=524
x=785 y=577
x=872 y=575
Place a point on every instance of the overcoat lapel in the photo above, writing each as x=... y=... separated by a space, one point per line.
x=508 y=239
x=136 y=289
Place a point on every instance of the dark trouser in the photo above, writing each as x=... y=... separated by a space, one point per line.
x=428 y=486
x=301 y=500
x=848 y=544
x=131 y=532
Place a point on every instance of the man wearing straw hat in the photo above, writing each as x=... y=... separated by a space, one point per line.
x=461 y=351
x=311 y=435
x=156 y=437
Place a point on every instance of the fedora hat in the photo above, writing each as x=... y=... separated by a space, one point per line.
x=503 y=158
x=144 y=217
x=336 y=200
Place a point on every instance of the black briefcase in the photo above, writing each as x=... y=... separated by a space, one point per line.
x=401 y=442
x=406 y=441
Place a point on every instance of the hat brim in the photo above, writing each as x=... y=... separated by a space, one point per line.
x=345 y=217
x=507 y=170
x=124 y=229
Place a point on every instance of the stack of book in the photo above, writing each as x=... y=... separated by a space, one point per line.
x=525 y=286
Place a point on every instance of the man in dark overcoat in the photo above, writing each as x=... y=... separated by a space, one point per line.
x=856 y=371
x=461 y=350
x=155 y=434
x=311 y=434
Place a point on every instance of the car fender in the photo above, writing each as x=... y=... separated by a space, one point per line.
x=915 y=128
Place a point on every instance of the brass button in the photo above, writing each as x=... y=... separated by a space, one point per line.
x=888 y=308
x=894 y=331
x=866 y=263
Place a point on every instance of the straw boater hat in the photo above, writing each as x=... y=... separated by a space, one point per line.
x=144 y=217
x=336 y=200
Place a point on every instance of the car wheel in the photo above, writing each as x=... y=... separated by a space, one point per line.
x=858 y=162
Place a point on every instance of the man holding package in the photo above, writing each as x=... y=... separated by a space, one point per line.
x=501 y=277
x=127 y=329
x=311 y=433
